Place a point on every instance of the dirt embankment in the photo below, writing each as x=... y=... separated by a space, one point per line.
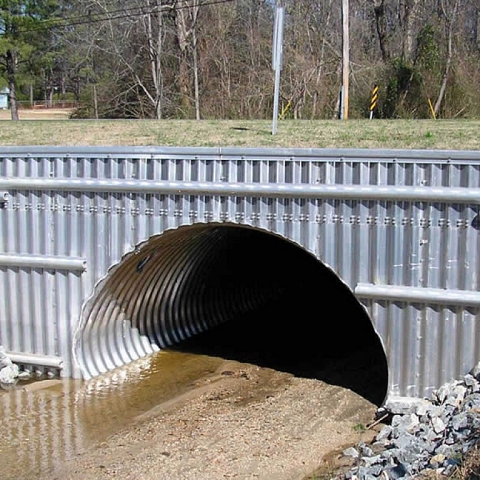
x=244 y=422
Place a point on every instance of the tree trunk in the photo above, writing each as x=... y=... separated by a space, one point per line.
x=321 y=60
x=95 y=102
x=381 y=24
x=476 y=28
x=183 y=67
x=196 y=85
x=408 y=13
x=12 y=58
x=50 y=97
x=195 y=73
x=155 y=44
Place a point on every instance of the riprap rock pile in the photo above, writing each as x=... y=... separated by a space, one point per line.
x=430 y=435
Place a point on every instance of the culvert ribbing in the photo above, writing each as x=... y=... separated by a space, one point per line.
x=189 y=280
x=170 y=288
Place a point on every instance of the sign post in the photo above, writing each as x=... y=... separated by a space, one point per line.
x=374 y=100
x=345 y=59
x=277 y=51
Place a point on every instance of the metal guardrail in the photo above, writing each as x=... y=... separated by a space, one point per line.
x=35 y=359
x=44 y=262
x=341 y=192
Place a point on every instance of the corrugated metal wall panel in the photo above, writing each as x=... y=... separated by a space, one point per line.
x=422 y=241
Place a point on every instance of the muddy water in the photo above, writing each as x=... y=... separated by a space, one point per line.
x=40 y=427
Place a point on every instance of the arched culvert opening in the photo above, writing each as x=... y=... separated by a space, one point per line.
x=236 y=292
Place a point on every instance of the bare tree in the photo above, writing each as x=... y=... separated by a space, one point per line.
x=217 y=58
x=312 y=56
x=200 y=59
x=449 y=12
x=235 y=58
x=131 y=42
x=153 y=26
x=186 y=15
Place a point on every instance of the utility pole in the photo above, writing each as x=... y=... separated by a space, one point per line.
x=345 y=60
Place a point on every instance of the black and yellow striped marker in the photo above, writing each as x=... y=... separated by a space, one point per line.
x=373 y=103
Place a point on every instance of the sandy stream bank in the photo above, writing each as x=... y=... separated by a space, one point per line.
x=243 y=422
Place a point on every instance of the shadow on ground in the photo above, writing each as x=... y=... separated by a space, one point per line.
x=307 y=339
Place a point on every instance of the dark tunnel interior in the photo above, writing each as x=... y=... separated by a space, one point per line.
x=238 y=293
x=305 y=322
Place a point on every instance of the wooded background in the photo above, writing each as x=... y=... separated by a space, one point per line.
x=213 y=58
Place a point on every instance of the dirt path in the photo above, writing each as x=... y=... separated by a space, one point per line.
x=38 y=114
x=244 y=422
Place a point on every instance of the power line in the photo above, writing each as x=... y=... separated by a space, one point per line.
x=114 y=15
x=98 y=17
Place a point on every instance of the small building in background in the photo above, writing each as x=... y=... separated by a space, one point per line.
x=4 y=93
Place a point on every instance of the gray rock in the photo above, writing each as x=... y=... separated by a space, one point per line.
x=4 y=360
x=475 y=371
x=351 y=452
x=9 y=374
x=431 y=435
x=457 y=396
x=365 y=474
x=369 y=461
x=398 y=471
x=374 y=473
x=24 y=375
x=405 y=423
x=438 y=425
x=445 y=450
x=431 y=445
x=423 y=408
x=471 y=382
x=436 y=411
x=403 y=406
x=406 y=442
x=471 y=401
x=441 y=394
x=460 y=421
x=365 y=450
x=384 y=433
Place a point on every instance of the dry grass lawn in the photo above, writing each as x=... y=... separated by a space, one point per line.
x=53 y=127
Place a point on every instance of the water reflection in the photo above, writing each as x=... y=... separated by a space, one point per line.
x=47 y=426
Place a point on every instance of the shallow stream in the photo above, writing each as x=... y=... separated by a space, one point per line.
x=43 y=426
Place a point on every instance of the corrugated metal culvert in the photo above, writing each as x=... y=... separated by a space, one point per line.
x=194 y=278
x=109 y=254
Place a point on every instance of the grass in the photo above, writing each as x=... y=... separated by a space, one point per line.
x=359 y=428
x=52 y=127
x=470 y=469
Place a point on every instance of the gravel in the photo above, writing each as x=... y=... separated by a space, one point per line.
x=429 y=436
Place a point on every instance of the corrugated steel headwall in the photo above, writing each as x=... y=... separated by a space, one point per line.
x=400 y=228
